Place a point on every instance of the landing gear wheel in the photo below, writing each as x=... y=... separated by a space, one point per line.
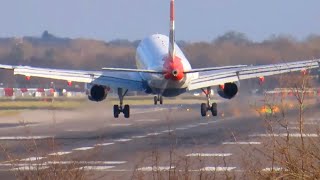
x=116 y=111
x=204 y=109
x=214 y=109
x=161 y=100
x=126 y=111
x=155 y=100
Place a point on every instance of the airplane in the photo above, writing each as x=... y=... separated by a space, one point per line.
x=164 y=71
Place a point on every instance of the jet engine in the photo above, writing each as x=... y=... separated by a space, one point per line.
x=97 y=93
x=228 y=90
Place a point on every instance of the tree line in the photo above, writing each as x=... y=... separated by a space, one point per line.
x=230 y=48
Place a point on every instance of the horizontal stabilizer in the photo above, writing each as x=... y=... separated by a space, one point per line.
x=161 y=72
x=215 y=68
x=132 y=70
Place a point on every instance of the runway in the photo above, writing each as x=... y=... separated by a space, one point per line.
x=158 y=139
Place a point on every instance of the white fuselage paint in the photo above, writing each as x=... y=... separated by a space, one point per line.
x=151 y=55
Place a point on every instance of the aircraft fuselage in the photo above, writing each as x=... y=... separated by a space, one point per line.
x=152 y=54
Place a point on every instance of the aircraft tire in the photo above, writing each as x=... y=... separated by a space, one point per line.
x=203 y=109
x=161 y=100
x=155 y=99
x=126 y=111
x=116 y=111
x=214 y=109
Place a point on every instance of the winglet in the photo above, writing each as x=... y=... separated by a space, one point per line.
x=172 y=31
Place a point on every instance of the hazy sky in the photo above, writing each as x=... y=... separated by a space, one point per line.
x=196 y=20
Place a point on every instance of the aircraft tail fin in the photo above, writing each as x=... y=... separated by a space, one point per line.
x=172 y=31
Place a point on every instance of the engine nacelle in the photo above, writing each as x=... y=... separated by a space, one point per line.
x=97 y=93
x=228 y=90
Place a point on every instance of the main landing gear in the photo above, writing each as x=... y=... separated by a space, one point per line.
x=117 y=109
x=205 y=107
x=158 y=98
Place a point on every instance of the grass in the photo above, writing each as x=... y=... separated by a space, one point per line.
x=16 y=105
x=9 y=113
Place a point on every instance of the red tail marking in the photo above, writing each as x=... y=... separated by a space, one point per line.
x=172 y=33
x=171 y=65
x=172 y=10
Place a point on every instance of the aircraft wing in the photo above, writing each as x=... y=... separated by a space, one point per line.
x=218 y=77
x=128 y=80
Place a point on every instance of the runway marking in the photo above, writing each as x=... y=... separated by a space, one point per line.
x=211 y=122
x=167 y=131
x=138 y=137
x=273 y=169
x=313 y=119
x=79 y=130
x=88 y=162
x=241 y=143
x=153 y=134
x=148 y=120
x=119 y=170
x=305 y=123
x=95 y=168
x=111 y=162
x=60 y=153
x=29 y=168
x=24 y=137
x=203 y=123
x=120 y=125
x=284 y=135
x=6 y=164
x=158 y=168
x=73 y=130
x=82 y=148
x=192 y=126
x=289 y=128
x=182 y=128
x=209 y=154
x=122 y=140
x=217 y=169
x=32 y=159
x=104 y=144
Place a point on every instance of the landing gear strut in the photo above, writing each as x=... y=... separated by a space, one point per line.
x=205 y=107
x=158 y=98
x=117 y=109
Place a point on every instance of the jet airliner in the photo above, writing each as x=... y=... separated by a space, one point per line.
x=163 y=70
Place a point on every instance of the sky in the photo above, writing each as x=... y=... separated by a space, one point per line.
x=196 y=20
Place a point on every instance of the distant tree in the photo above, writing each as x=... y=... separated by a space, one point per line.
x=47 y=35
x=16 y=54
x=136 y=43
x=121 y=42
x=232 y=36
x=229 y=49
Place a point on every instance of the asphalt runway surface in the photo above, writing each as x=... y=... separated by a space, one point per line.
x=155 y=139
